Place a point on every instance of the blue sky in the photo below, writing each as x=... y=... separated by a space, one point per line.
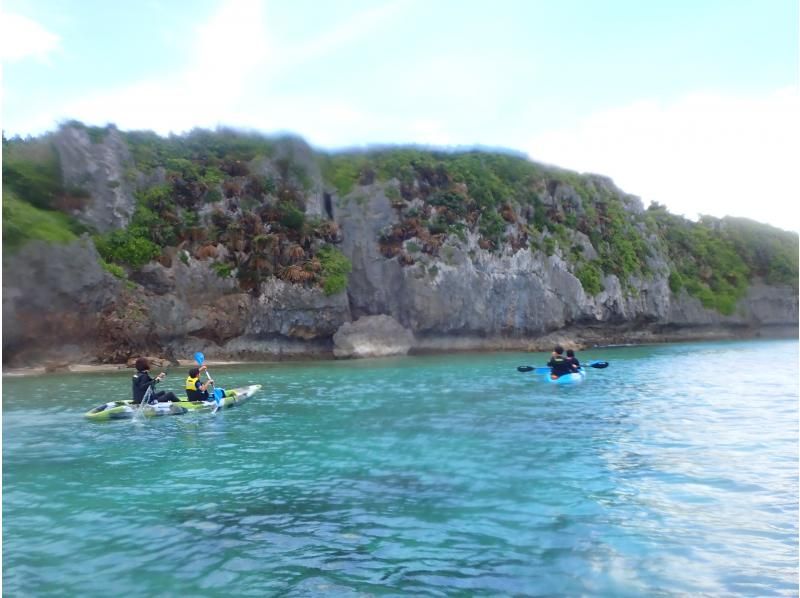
x=690 y=103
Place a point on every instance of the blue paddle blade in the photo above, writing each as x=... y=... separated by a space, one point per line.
x=528 y=368
x=199 y=358
x=218 y=394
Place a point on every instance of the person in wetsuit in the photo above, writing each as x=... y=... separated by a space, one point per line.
x=576 y=365
x=558 y=364
x=142 y=381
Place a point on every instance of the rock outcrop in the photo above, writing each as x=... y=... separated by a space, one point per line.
x=372 y=336
x=53 y=298
x=102 y=168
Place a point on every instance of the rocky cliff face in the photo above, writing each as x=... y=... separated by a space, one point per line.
x=53 y=298
x=103 y=168
x=58 y=301
x=469 y=297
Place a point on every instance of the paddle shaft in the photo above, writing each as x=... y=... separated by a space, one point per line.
x=597 y=364
x=213 y=390
x=200 y=359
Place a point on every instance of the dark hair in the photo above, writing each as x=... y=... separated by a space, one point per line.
x=142 y=364
x=558 y=350
x=570 y=353
x=194 y=372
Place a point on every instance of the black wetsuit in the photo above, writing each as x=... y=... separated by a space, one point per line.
x=559 y=366
x=574 y=361
x=141 y=382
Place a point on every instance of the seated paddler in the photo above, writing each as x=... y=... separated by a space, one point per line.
x=196 y=389
x=558 y=364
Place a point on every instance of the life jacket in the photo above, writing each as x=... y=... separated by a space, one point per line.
x=192 y=392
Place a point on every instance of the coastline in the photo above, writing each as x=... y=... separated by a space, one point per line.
x=582 y=340
x=84 y=368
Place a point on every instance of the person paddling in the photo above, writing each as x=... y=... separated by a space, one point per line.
x=196 y=390
x=573 y=361
x=558 y=364
x=142 y=381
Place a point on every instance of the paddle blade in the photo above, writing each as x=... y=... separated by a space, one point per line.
x=528 y=368
x=199 y=358
x=218 y=394
x=598 y=364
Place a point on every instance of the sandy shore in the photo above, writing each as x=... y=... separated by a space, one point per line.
x=104 y=367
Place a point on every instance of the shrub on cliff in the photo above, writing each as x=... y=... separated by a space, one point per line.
x=125 y=247
x=23 y=222
x=335 y=268
x=591 y=278
x=705 y=260
x=290 y=216
x=152 y=226
x=31 y=169
x=769 y=252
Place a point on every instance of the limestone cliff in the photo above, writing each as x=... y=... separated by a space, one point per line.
x=232 y=250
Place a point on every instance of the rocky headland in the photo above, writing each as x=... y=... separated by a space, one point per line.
x=252 y=248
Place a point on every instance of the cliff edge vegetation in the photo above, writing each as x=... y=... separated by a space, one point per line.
x=316 y=239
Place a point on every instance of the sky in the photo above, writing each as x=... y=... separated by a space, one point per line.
x=694 y=104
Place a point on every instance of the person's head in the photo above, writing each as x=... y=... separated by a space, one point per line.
x=142 y=365
x=570 y=353
x=194 y=372
x=559 y=350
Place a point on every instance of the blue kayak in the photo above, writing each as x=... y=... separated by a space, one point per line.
x=574 y=378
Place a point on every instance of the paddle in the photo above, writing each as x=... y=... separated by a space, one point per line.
x=599 y=365
x=145 y=400
x=200 y=358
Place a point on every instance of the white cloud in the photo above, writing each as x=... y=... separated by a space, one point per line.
x=701 y=154
x=23 y=38
x=229 y=47
x=228 y=80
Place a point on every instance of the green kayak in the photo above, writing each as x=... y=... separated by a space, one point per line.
x=126 y=409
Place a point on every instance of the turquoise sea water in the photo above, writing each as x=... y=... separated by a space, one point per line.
x=673 y=472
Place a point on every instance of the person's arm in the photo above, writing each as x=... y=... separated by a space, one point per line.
x=152 y=381
x=142 y=382
x=203 y=387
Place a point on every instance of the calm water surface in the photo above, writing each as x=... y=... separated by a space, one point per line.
x=673 y=472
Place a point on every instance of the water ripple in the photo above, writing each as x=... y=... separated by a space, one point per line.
x=668 y=474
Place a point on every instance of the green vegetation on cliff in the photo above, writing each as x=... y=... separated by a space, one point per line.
x=505 y=198
x=33 y=195
x=224 y=188
x=239 y=200
x=23 y=222
x=509 y=201
x=335 y=268
x=716 y=259
x=31 y=170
